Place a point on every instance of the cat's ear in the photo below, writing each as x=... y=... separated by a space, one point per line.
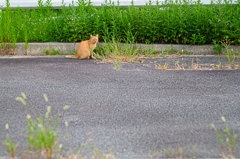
x=97 y=35
x=91 y=36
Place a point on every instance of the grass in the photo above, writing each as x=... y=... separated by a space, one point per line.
x=174 y=153
x=161 y=67
x=116 y=51
x=42 y=140
x=230 y=53
x=195 y=66
x=41 y=130
x=151 y=23
x=120 y=28
x=227 y=140
x=117 y=64
x=9 y=144
x=42 y=137
x=52 y=51
x=175 y=64
x=43 y=143
x=227 y=143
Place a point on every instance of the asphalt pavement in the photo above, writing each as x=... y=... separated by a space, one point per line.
x=133 y=111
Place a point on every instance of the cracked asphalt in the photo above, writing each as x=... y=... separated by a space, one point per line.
x=134 y=111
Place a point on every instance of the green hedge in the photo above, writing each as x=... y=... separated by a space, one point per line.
x=171 y=22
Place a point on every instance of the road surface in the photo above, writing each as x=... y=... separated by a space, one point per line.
x=134 y=111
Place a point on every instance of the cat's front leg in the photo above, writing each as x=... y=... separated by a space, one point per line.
x=92 y=57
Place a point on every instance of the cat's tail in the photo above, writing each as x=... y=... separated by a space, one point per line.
x=71 y=56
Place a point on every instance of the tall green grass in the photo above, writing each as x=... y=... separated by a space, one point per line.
x=185 y=22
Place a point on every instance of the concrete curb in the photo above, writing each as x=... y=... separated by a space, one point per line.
x=38 y=49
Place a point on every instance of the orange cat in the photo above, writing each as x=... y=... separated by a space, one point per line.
x=85 y=48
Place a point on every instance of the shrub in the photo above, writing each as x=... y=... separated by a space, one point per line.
x=178 y=22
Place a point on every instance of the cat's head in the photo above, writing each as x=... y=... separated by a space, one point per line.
x=94 y=39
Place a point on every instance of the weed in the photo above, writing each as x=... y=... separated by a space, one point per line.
x=42 y=137
x=114 y=50
x=4 y=49
x=149 y=52
x=217 y=47
x=12 y=49
x=166 y=53
x=161 y=67
x=26 y=46
x=117 y=64
x=153 y=154
x=177 y=66
x=194 y=65
x=8 y=143
x=114 y=47
x=170 y=48
x=170 y=152
x=52 y=51
x=194 y=150
x=174 y=153
x=227 y=140
x=41 y=134
x=230 y=54
x=147 y=24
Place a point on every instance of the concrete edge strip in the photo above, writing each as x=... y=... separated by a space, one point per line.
x=39 y=49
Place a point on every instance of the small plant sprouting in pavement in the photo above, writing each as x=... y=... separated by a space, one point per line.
x=227 y=140
x=153 y=154
x=9 y=144
x=217 y=47
x=171 y=152
x=117 y=64
x=26 y=47
x=96 y=153
x=41 y=134
x=194 y=150
x=230 y=54
x=161 y=67
x=114 y=50
x=174 y=153
x=42 y=137
x=53 y=51
x=178 y=67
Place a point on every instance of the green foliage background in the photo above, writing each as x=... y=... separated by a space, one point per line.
x=173 y=22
